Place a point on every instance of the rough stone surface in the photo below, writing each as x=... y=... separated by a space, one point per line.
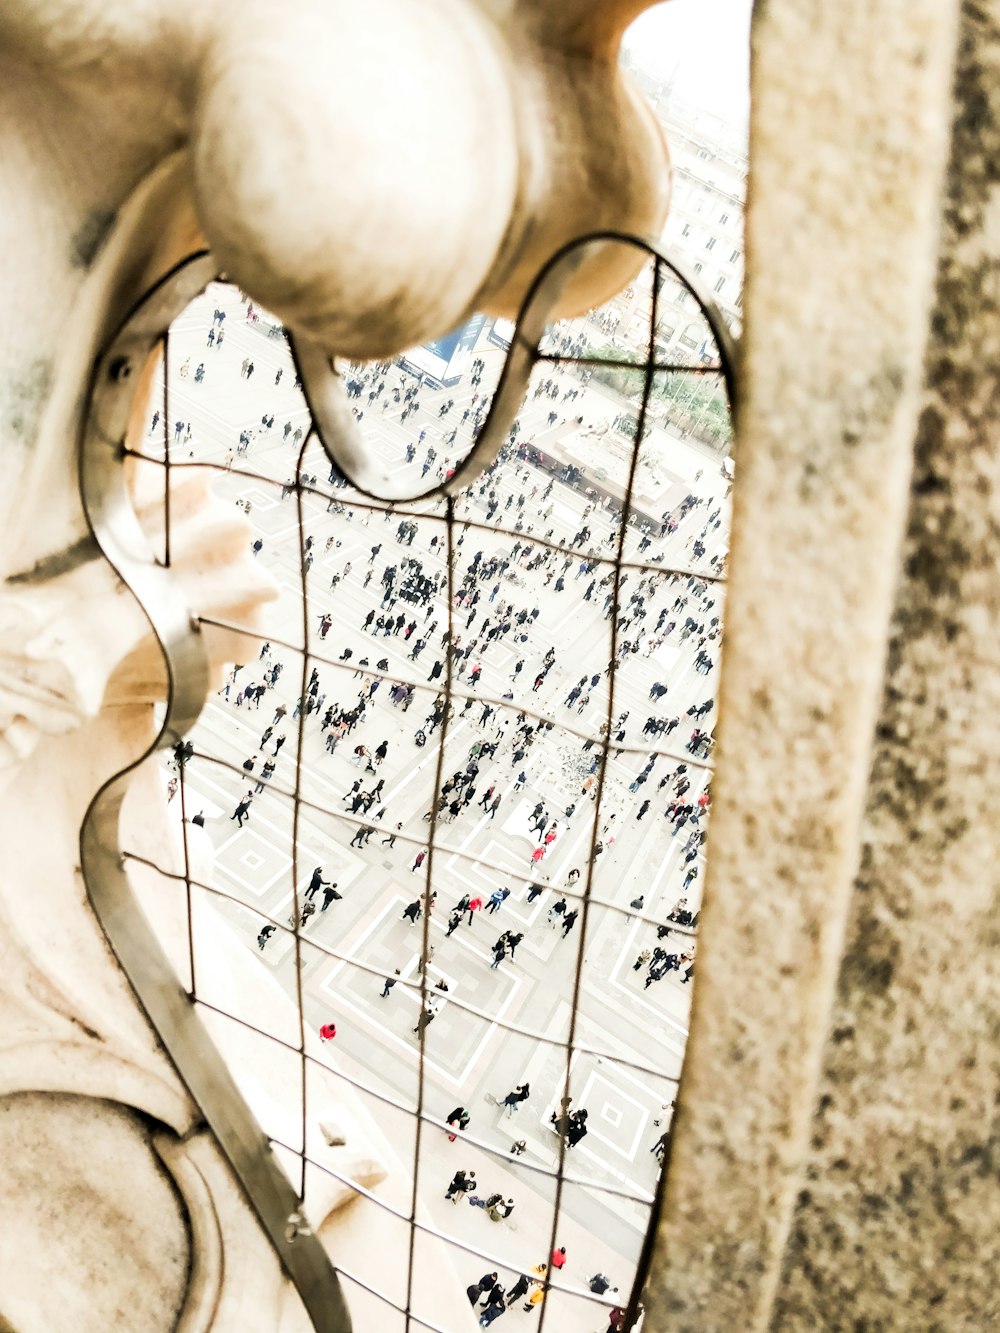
x=79 y=1176
x=898 y=1220
x=849 y=134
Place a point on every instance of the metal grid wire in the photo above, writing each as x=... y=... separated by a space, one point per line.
x=561 y=356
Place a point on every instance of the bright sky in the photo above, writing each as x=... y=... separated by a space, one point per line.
x=708 y=41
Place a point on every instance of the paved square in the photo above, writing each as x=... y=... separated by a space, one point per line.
x=493 y=1028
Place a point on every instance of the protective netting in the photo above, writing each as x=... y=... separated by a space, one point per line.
x=456 y=787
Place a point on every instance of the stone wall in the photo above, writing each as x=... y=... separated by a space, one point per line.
x=835 y=1159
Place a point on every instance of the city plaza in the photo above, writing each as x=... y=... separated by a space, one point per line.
x=493 y=1025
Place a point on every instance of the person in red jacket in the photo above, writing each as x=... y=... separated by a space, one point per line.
x=328 y=1031
x=559 y=1257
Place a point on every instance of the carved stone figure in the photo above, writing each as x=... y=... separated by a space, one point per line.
x=372 y=172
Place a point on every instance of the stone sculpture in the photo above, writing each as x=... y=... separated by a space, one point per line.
x=372 y=172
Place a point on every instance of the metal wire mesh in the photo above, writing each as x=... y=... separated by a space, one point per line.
x=570 y=1008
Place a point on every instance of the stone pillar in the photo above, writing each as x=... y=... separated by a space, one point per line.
x=850 y=126
x=897 y=1222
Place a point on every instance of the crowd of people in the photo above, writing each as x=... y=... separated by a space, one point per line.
x=476 y=648
x=491 y=1300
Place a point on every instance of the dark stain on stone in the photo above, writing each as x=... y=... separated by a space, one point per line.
x=880 y=976
x=871 y=410
x=59 y=562
x=87 y=1031
x=869 y=967
x=843 y=1034
x=810 y=482
x=983 y=1157
x=905 y=1191
x=931 y=484
x=761 y=700
x=25 y=399
x=90 y=237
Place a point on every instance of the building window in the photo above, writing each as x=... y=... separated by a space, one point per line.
x=710 y=243
x=720 y=284
x=724 y=219
x=698 y=268
x=734 y=257
x=686 y=229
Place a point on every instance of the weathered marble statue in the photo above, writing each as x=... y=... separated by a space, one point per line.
x=372 y=172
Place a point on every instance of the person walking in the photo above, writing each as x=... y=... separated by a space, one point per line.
x=414 y=912
x=458 y=1120
x=660 y=1146
x=329 y=894
x=328 y=1031
x=242 y=811
x=387 y=987
x=569 y=921
x=316 y=883
x=577 y=1129
x=390 y=841
x=462 y=1182
x=514 y=1098
x=427 y=1017
x=481 y=1288
x=599 y=1284
x=536 y=1298
x=519 y=1289
x=419 y=861
x=494 y=1294
x=265 y=934
x=492 y=1312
